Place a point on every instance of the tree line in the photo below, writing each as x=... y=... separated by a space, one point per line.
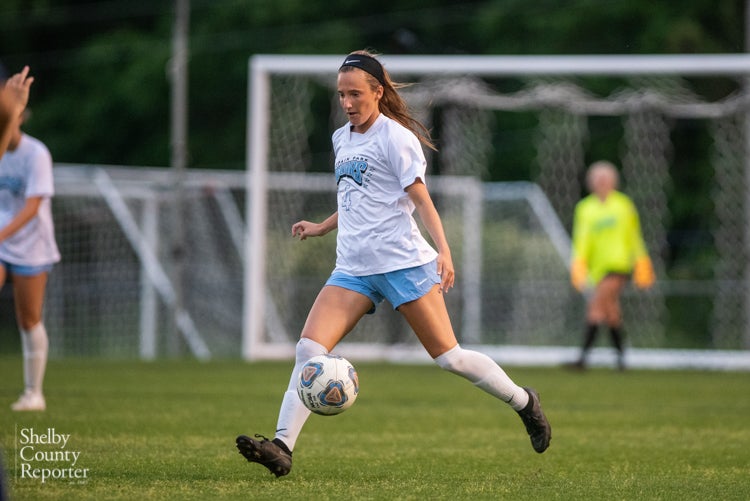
x=102 y=90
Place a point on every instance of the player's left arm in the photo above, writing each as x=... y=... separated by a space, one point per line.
x=26 y=214
x=429 y=216
x=14 y=95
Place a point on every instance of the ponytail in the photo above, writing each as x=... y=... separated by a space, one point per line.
x=391 y=104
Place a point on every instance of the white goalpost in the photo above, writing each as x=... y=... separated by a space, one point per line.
x=523 y=312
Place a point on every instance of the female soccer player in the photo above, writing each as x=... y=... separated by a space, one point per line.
x=607 y=248
x=380 y=254
x=27 y=250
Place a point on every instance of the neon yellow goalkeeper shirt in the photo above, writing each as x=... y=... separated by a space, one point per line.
x=607 y=235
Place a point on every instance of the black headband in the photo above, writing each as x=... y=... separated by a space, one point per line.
x=366 y=63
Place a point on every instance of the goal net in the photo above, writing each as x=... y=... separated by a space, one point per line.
x=115 y=291
x=537 y=119
x=515 y=136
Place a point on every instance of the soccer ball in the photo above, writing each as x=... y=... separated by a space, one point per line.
x=328 y=384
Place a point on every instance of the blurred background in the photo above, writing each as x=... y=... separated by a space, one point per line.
x=101 y=67
x=103 y=97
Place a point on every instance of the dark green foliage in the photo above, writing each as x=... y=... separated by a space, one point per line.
x=102 y=93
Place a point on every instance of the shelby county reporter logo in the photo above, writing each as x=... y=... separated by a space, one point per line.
x=46 y=454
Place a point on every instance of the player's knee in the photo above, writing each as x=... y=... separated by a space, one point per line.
x=596 y=315
x=613 y=317
x=307 y=348
x=28 y=322
x=452 y=360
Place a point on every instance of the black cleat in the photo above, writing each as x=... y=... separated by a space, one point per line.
x=273 y=454
x=536 y=423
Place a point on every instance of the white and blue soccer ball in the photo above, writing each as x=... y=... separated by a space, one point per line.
x=328 y=384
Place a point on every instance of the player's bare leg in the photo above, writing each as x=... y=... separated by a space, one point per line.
x=613 y=315
x=604 y=310
x=428 y=317
x=334 y=314
x=605 y=304
x=28 y=292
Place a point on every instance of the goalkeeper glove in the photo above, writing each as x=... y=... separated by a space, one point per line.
x=643 y=273
x=578 y=274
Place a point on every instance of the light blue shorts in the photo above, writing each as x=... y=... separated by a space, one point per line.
x=25 y=271
x=398 y=287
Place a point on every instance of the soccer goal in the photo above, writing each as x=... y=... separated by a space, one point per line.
x=546 y=117
x=115 y=292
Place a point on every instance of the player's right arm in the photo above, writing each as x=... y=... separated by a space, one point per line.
x=304 y=229
x=26 y=214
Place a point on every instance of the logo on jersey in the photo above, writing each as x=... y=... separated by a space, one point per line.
x=353 y=169
x=12 y=184
x=605 y=223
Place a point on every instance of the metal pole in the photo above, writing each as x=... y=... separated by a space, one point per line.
x=746 y=288
x=257 y=210
x=178 y=71
x=149 y=297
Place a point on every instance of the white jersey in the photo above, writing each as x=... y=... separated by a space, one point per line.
x=376 y=230
x=27 y=172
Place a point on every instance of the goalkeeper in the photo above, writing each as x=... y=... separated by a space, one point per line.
x=607 y=249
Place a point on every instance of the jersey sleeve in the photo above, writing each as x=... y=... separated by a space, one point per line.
x=581 y=233
x=41 y=181
x=405 y=156
x=636 y=235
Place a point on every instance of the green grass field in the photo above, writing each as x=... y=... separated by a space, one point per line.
x=166 y=430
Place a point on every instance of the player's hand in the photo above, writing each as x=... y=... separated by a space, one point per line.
x=304 y=229
x=15 y=93
x=446 y=272
x=643 y=273
x=579 y=274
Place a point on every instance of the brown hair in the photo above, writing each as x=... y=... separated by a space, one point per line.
x=392 y=104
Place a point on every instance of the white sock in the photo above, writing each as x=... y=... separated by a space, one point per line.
x=35 y=346
x=293 y=413
x=484 y=373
